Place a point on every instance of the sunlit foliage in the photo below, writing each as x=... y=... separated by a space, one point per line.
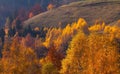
x=19 y=60
x=75 y=49
x=74 y=63
x=60 y=38
x=95 y=53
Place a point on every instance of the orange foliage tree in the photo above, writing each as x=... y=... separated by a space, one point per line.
x=50 y=7
x=20 y=60
x=36 y=9
x=55 y=57
x=31 y=15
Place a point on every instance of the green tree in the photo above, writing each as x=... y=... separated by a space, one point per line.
x=49 y=68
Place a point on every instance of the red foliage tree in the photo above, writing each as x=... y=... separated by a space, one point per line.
x=36 y=9
x=22 y=15
x=55 y=57
x=29 y=41
x=31 y=15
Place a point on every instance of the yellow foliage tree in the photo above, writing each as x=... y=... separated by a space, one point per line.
x=92 y=54
x=74 y=63
x=103 y=54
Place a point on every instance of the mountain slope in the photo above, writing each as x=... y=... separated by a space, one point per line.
x=108 y=11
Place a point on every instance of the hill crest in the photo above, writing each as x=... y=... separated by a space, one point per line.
x=107 y=11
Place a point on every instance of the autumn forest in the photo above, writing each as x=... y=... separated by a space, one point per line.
x=77 y=48
x=85 y=45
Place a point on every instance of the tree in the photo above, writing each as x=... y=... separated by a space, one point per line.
x=51 y=36
x=74 y=62
x=8 y=22
x=20 y=60
x=36 y=9
x=95 y=53
x=101 y=45
x=22 y=16
x=31 y=15
x=55 y=57
x=11 y=32
x=2 y=35
x=29 y=41
x=49 y=68
x=50 y=7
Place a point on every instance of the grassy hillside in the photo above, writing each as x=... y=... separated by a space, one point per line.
x=91 y=11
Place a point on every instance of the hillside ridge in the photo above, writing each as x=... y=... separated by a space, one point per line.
x=107 y=11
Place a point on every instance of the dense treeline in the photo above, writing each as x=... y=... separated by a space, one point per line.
x=75 y=49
